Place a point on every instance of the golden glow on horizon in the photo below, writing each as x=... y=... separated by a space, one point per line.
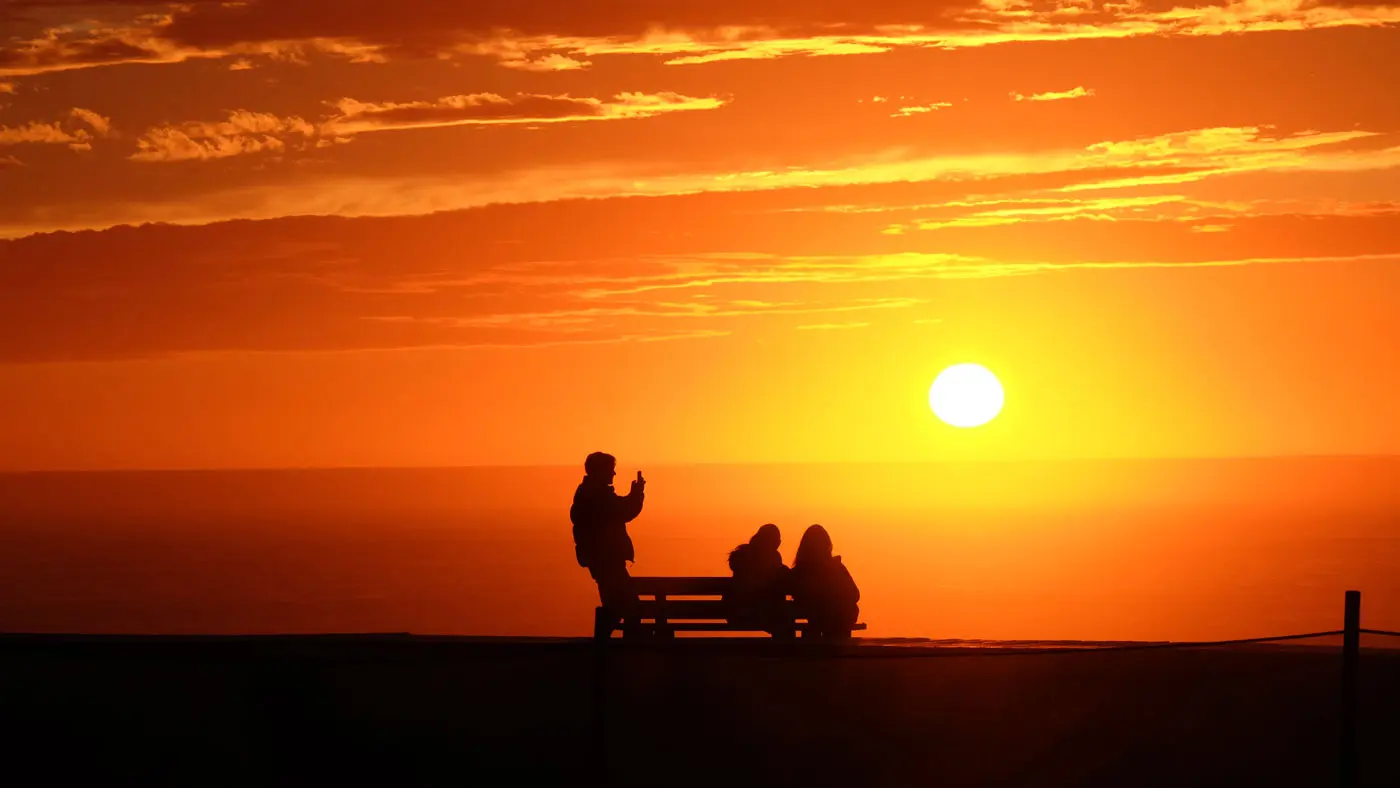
x=966 y=395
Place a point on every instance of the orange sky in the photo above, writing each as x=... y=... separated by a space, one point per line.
x=419 y=233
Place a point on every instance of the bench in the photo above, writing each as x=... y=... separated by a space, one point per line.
x=667 y=605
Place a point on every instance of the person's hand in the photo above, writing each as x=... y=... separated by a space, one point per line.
x=639 y=483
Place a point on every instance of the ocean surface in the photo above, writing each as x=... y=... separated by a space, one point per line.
x=1078 y=550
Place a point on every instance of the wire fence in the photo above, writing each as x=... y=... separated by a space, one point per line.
x=952 y=650
x=1348 y=771
x=1010 y=652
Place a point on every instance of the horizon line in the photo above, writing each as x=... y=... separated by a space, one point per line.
x=705 y=464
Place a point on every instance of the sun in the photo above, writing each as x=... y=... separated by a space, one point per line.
x=966 y=395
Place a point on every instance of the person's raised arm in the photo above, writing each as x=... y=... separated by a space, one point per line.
x=630 y=505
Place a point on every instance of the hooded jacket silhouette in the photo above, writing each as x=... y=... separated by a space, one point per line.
x=600 y=517
x=759 y=592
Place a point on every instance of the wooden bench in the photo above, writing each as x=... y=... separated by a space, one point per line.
x=667 y=605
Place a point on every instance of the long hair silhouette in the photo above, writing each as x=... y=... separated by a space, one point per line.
x=815 y=546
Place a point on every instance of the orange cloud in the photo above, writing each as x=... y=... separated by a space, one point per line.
x=54 y=133
x=100 y=124
x=248 y=132
x=945 y=26
x=356 y=117
x=39 y=133
x=551 y=62
x=562 y=34
x=996 y=212
x=8 y=87
x=244 y=132
x=906 y=112
x=473 y=279
x=510 y=55
x=1168 y=159
x=831 y=326
x=127 y=34
x=1072 y=93
x=79 y=45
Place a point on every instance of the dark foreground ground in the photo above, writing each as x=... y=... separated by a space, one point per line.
x=399 y=711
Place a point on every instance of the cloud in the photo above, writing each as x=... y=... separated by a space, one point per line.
x=551 y=62
x=8 y=87
x=247 y=132
x=541 y=186
x=336 y=285
x=554 y=34
x=243 y=132
x=79 y=45
x=100 y=124
x=58 y=133
x=884 y=181
x=905 y=112
x=587 y=320
x=1072 y=93
x=34 y=132
x=1172 y=158
x=1064 y=208
x=486 y=277
x=510 y=55
x=54 y=133
x=694 y=32
x=66 y=36
x=356 y=117
x=831 y=326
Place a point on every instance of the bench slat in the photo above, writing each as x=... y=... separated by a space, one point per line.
x=684 y=608
x=695 y=626
x=697 y=610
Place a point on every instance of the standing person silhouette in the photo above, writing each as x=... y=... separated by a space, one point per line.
x=601 y=543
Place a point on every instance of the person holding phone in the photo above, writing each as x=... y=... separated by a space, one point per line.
x=601 y=542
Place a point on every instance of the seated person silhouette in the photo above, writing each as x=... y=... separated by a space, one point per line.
x=757 y=597
x=601 y=543
x=822 y=587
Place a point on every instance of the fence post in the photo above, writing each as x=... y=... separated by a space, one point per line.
x=598 y=744
x=1351 y=657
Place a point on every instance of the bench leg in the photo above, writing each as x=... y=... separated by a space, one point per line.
x=603 y=624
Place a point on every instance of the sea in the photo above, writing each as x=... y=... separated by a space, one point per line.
x=1080 y=550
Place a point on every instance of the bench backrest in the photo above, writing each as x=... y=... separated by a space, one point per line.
x=681 y=586
x=670 y=603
